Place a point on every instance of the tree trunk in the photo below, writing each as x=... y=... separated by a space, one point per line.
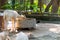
x=48 y=6
x=55 y=6
x=31 y=2
x=40 y=5
x=13 y=4
x=21 y=1
x=0 y=3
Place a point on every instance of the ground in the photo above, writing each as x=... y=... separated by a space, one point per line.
x=45 y=31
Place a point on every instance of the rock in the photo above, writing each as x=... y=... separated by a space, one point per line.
x=4 y=35
x=21 y=36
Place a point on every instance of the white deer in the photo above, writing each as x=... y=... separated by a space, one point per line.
x=8 y=16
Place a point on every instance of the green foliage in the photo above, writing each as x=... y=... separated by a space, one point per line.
x=36 y=2
x=17 y=6
x=59 y=10
x=7 y=6
x=44 y=7
x=35 y=8
x=26 y=6
x=50 y=8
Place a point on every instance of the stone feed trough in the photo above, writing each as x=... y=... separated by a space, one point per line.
x=28 y=23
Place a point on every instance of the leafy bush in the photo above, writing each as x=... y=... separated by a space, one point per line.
x=7 y=6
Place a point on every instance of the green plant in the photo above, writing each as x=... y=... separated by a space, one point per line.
x=35 y=8
x=7 y=6
x=59 y=10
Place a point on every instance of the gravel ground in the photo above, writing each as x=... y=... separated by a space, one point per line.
x=45 y=31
